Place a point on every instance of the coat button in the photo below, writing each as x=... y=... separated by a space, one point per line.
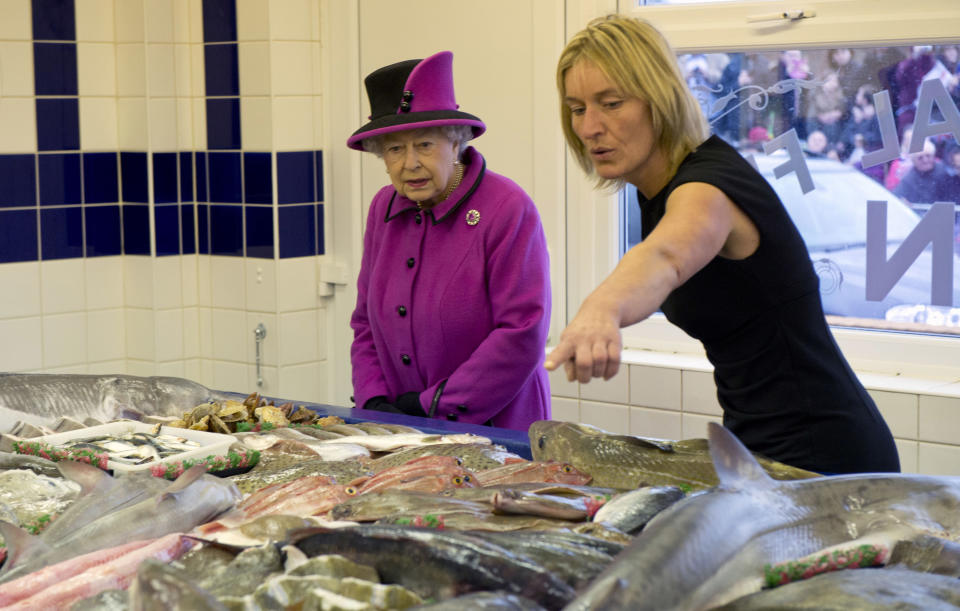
x=411 y=262
x=418 y=218
x=405 y=359
x=462 y=408
x=402 y=311
x=451 y=416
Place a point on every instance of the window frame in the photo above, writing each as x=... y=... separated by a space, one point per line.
x=724 y=27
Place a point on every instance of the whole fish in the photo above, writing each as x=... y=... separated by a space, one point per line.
x=41 y=466
x=43 y=398
x=472 y=456
x=628 y=462
x=875 y=589
x=711 y=548
x=376 y=505
x=467 y=520
x=547 y=471
x=533 y=504
x=630 y=511
x=395 y=441
x=193 y=498
x=286 y=469
x=575 y=558
x=437 y=564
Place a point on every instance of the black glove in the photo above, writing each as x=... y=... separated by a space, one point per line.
x=409 y=403
x=380 y=404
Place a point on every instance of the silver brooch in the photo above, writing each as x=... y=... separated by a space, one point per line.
x=473 y=217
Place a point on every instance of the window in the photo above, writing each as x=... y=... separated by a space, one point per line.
x=761 y=76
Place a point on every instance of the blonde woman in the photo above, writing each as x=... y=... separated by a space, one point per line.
x=720 y=257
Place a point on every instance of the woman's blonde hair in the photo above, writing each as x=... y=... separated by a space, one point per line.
x=638 y=60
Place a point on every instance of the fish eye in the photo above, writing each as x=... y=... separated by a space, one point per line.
x=457 y=480
x=567 y=469
x=467 y=478
x=350 y=490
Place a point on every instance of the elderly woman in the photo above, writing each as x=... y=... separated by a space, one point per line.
x=720 y=257
x=453 y=296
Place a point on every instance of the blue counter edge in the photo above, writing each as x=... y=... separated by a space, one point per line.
x=517 y=442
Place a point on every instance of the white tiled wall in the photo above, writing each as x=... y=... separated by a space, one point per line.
x=141 y=86
x=677 y=397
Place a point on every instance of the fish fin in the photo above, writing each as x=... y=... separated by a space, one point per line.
x=183 y=482
x=20 y=544
x=736 y=467
x=664 y=445
x=86 y=476
x=510 y=460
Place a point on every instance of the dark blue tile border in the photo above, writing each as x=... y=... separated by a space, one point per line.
x=298 y=233
x=226 y=182
x=295 y=177
x=100 y=184
x=259 y=231
x=165 y=181
x=223 y=124
x=186 y=177
x=136 y=229
x=18 y=236
x=319 y=174
x=166 y=223
x=257 y=178
x=54 y=20
x=219 y=20
x=203 y=229
x=59 y=179
x=58 y=124
x=61 y=233
x=187 y=239
x=221 y=69
x=200 y=165
x=321 y=247
x=55 y=68
x=18 y=177
x=133 y=177
x=226 y=230
x=103 y=231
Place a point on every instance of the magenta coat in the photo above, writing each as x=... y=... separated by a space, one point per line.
x=454 y=303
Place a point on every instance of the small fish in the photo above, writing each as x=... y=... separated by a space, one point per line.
x=549 y=471
x=630 y=511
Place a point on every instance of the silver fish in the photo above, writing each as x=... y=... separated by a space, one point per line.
x=630 y=511
x=711 y=548
x=194 y=498
x=42 y=398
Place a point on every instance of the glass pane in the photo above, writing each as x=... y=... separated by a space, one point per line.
x=832 y=102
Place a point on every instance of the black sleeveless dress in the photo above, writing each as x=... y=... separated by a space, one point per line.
x=785 y=388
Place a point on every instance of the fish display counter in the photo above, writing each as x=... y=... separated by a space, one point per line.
x=517 y=442
x=350 y=509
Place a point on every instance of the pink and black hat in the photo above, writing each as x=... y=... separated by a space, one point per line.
x=413 y=94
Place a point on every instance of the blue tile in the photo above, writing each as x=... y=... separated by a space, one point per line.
x=103 y=231
x=18 y=236
x=61 y=233
x=18 y=180
x=321 y=247
x=219 y=20
x=187 y=239
x=203 y=229
x=298 y=232
x=55 y=68
x=165 y=178
x=200 y=164
x=133 y=177
x=166 y=223
x=54 y=20
x=58 y=124
x=225 y=178
x=226 y=230
x=221 y=69
x=319 y=176
x=295 y=177
x=100 y=184
x=186 y=177
x=223 y=123
x=59 y=179
x=136 y=229
x=257 y=178
x=259 y=231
